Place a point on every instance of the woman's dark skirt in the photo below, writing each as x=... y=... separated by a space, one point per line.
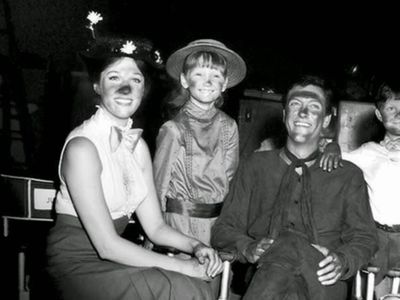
x=79 y=273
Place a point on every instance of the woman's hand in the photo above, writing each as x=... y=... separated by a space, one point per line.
x=331 y=158
x=193 y=268
x=209 y=257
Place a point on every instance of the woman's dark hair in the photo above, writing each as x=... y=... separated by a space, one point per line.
x=106 y=50
x=94 y=68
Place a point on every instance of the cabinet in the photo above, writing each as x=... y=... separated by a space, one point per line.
x=260 y=117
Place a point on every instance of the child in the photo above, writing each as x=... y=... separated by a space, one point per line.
x=197 y=151
x=380 y=163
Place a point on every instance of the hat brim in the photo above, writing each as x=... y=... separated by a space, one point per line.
x=236 y=67
x=108 y=47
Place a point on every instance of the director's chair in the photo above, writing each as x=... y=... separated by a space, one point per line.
x=371 y=272
x=227 y=258
x=224 y=287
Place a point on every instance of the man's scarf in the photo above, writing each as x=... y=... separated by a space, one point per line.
x=288 y=182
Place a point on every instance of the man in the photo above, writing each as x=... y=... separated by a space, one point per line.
x=380 y=163
x=305 y=229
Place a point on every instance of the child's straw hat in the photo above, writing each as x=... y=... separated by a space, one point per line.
x=236 y=67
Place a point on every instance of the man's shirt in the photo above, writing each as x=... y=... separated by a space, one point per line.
x=340 y=208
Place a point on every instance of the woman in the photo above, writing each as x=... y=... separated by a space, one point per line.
x=106 y=174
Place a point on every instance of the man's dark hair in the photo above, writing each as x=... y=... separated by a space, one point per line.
x=305 y=80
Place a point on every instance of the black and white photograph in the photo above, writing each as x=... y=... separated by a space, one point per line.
x=205 y=150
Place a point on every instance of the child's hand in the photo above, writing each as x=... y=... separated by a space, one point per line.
x=331 y=158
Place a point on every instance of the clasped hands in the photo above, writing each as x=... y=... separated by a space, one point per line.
x=208 y=260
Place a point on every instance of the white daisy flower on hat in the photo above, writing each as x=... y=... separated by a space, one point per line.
x=128 y=47
x=94 y=18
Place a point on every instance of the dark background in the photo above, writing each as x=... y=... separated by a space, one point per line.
x=353 y=45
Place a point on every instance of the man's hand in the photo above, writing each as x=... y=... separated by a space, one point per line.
x=210 y=256
x=331 y=268
x=331 y=158
x=254 y=251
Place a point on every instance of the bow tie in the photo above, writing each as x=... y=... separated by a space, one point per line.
x=129 y=138
x=391 y=145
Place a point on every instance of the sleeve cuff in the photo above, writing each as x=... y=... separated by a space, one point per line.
x=241 y=246
x=346 y=273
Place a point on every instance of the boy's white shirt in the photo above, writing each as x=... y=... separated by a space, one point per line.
x=381 y=169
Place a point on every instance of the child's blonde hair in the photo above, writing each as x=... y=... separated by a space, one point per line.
x=206 y=59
